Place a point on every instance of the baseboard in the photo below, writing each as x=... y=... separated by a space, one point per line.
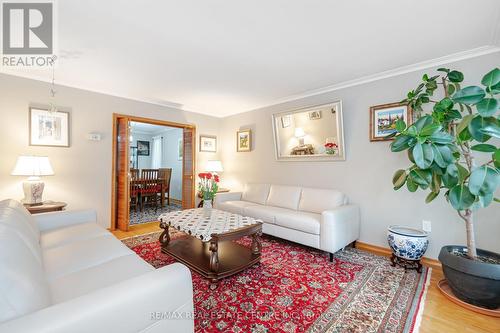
x=385 y=251
x=176 y=201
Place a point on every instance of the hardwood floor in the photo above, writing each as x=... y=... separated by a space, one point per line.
x=440 y=315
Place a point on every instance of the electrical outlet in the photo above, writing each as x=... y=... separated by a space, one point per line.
x=426 y=225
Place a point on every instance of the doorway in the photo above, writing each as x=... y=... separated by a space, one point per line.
x=153 y=169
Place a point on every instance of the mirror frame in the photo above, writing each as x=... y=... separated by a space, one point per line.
x=318 y=157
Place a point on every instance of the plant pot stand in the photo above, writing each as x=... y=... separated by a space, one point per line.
x=445 y=289
x=405 y=263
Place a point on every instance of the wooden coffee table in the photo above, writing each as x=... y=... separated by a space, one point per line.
x=209 y=248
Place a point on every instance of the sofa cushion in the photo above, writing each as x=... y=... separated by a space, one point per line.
x=301 y=221
x=72 y=233
x=23 y=287
x=236 y=207
x=284 y=196
x=265 y=213
x=100 y=276
x=256 y=193
x=83 y=254
x=318 y=200
x=14 y=216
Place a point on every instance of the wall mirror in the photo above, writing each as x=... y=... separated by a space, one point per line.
x=310 y=134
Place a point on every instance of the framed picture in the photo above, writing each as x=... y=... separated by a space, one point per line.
x=315 y=115
x=383 y=119
x=208 y=143
x=180 y=150
x=142 y=148
x=48 y=128
x=244 y=140
x=286 y=121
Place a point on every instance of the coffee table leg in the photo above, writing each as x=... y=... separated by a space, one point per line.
x=256 y=244
x=214 y=256
x=165 y=235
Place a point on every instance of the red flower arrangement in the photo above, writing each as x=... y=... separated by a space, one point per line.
x=208 y=185
x=331 y=148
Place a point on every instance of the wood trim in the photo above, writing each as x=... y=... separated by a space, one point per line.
x=154 y=121
x=386 y=252
x=116 y=116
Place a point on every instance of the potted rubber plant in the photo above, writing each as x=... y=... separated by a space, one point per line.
x=453 y=149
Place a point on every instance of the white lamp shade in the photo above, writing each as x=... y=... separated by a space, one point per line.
x=299 y=132
x=214 y=166
x=33 y=166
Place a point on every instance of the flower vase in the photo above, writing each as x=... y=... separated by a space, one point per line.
x=207 y=203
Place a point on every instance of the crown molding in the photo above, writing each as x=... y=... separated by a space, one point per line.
x=468 y=54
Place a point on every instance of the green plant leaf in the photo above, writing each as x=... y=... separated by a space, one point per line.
x=451 y=89
x=463 y=173
x=411 y=185
x=430 y=129
x=455 y=76
x=422 y=178
x=422 y=122
x=441 y=138
x=492 y=129
x=460 y=197
x=477 y=127
x=442 y=155
x=496 y=199
x=469 y=95
x=495 y=89
x=496 y=158
x=464 y=123
x=399 y=179
x=442 y=69
x=483 y=147
x=484 y=180
x=491 y=78
x=485 y=200
x=487 y=107
x=423 y=155
x=436 y=183
x=431 y=196
x=401 y=143
x=400 y=125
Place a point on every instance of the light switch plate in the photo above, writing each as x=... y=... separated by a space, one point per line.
x=94 y=137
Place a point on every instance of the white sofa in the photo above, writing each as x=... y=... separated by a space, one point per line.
x=62 y=272
x=319 y=218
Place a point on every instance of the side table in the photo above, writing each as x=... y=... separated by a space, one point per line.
x=46 y=206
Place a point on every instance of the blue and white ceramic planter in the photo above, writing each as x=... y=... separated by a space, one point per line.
x=407 y=243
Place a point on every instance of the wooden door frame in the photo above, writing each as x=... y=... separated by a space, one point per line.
x=152 y=121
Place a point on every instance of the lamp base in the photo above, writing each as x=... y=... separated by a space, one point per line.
x=33 y=190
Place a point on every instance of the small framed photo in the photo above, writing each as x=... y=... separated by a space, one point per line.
x=180 y=150
x=315 y=115
x=48 y=128
x=208 y=143
x=286 y=121
x=142 y=148
x=244 y=140
x=383 y=119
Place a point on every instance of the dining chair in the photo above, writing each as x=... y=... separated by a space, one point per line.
x=149 y=174
x=134 y=174
x=149 y=192
x=135 y=194
x=164 y=175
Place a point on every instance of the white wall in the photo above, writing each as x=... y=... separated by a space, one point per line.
x=170 y=159
x=143 y=161
x=83 y=171
x=366 y=174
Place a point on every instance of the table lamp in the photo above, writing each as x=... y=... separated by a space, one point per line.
x=33 y=167
x=300 y=134
x=214 y=166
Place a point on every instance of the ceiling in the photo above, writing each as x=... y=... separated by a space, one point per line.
x=150 y=129
x=226 y=57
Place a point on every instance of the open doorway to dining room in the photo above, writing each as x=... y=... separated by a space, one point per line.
x=153 y=169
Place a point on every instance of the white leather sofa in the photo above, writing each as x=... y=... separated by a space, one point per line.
x=62 y=272
x=319 y=218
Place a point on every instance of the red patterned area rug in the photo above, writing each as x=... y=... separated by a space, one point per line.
x=297 y=289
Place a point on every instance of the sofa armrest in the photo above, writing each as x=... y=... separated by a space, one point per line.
x=55 y=220
x=158 y=301
x=227 y=196
x=339 y=227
